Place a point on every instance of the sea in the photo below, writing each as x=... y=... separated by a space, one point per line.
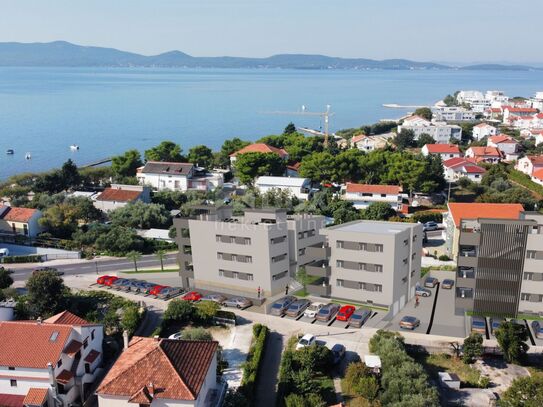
x=106 y=111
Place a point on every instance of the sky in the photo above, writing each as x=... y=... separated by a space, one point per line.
x=450 y=31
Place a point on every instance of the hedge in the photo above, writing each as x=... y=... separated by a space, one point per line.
x=428 y=216
x=254 y=358
x=22 y=259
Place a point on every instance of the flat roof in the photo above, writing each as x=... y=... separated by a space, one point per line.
x=377 y=227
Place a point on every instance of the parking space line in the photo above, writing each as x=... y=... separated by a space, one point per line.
x=315 y=320
x=529 y=332
x=433 y=310
x=299 y=317
x=332 y=321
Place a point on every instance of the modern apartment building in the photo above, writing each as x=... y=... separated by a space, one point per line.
x=238 y=254
x=500 y=266
x=377 y=263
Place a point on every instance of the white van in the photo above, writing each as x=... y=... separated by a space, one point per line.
x=4 y=253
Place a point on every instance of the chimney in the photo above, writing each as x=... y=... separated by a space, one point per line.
x=125 y=339
x=52 y=379
x=151 y=388
x=39 y=320
x=156 y=338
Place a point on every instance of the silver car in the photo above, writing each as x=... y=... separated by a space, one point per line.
x=297 y=307
x=359 y=317
x=279 y=307
x=218 y=298
x=238 y=302
x=327 y=312
x=169 y=292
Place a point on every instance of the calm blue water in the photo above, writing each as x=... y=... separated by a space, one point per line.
x=107 y=111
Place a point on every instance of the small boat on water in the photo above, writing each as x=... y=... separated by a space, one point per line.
x=10 y=151
x=28 y=156
x=74 y=147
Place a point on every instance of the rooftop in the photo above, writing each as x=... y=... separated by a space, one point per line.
x=282 y=181
x=443 y=148
x=170 y=168
x=374 y=227
x=14 y=214
x=460 y=211
x=373 y=189
x=118 y=195
x=260 y=148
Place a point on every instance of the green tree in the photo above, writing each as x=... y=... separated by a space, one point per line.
x=473 y=347
x=70 y=175
x=222 y=158
x=134 y=256
x=524 y=392
x=308 y=400
x=316 y=358
x=206 y=310
x=141 y=215
x=377 y=211
x=290 y=129
x=161 y=255
x=5 y=278
x=46 y=294
x=320 y=167
x=196 y=334
x=130 y=319
x=125 y=165
x=512 y=341
x=118 y=240
x=367 y=387
x=201 y=155
x=449 y=100
x=59 y=220
x=170 y=199
x=302 y=278
x=251 y=165
x=405 y=139
x=424 y=112
x=166 y=151
x=179 y=311
x=343 y=211
x=424 y=139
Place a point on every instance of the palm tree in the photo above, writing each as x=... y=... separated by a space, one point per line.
x=161 y=255
x=134 y=256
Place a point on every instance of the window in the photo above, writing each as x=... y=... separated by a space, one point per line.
x=220 y=256
x=363 y=246
x=247 y=240
x=379 y=248
x=59 y=363
x=378 y=268
x=280 y=275
x=301 y=252
x=339 y=244
x=279 y=258
x=414 y=238
x=383 y=195
x=339 y=263
x=92 y=335
x=378 y=288
x=404 y=261
x=362 y=266
x=406 y=242
x=300 y=235
x=249 y=277
x=361 y=286
x=235 y=274
x=531 y=254
x=85 y=343
x=404 y=280
x=528 y=276
x=13 y=383
x=413 y=256
x=524 y=296
x=11 y=368
x=221 y=273
x=339 y=282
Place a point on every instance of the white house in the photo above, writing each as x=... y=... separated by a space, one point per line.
x=368 y=143
x=118 y=195
x=529 y=164
x=510 y=112
x=484 y=154
x=483 y=130
x=298 y=187
x=20 y=221
x=537 y=134
x=469 y=96
x=49 y=363
x=457 y=168
x=178 y=177
x=441 y=132
x=452 y=114
x=362 y=195
x=537 y=176
x=527 y=122
x=506 y=144
x=445 y=151
x=158 y=372
x=537 y=101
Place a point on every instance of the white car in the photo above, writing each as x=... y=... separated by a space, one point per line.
x=175 y=336
x=306 y=340
x=313 y=309
x=4 y=253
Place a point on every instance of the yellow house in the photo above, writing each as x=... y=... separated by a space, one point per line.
x=19 y=221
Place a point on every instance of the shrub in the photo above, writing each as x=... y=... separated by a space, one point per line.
x=444 y=257
x=22 y=259
x=473 y=347
x=196 y=334
x=427 y=216
x=315 y=358
x=484 y=382
x=251 y=367
x=179 y=310
x=206 y=310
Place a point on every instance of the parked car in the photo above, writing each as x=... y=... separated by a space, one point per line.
x=176 y=335
x=156 y=289
x=409 y=322
x=102 y=279
x=138 y=285
x=126 y=284
x=306 y=340
x=495 y=323
x=192 y=296
x=359 y=317
x=219 y=298
x=313 y=309
x=478 y=324
x=429 y=226
x=297 y=307
x=345 y=312
x=327 y=312
x=110 y=280
x=238 y=302
x=145 y=288
x=169 y=292
x=431 y=282
x=4 y=252
x=117 y=283
x=447 y=284
x=537 y=326
x=279 y=307
x=422 y=292
x=338 y=353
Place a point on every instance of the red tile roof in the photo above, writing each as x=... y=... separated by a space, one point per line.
x=143 y=396
x=11 y=400
x=535 y=159
x=453 y=162
x=66 y=318
x=260 y=148
x=176 y=368
x=474 y=169
x=521 y=109
x=65 y=376
x=538 y=174
x=118 y=195
x=442 y=148
x=73 y=347
x=467 y=164
x=356 y=139
x=502 y=138
x=373 y=189
x=14 y=214
x=461 y=211
x=35 y=397
x=485 y=151
x=481 y=125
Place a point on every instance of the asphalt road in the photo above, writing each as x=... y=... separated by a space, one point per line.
x=98 y=266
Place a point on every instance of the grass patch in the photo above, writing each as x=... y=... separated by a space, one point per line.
x=151 y=271
x=436 y=363
x=327 y=390
x=526 y=182
x=341 y=302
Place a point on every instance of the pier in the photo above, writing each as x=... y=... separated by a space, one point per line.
x=397 y=106
x=97 y=163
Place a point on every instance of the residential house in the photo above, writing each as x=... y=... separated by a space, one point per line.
x=163 y=372
x=536 y=134
x=362 y=195
x=259 y=148
x=118 y=196
x=458 y=211
x=507 y=145
x=494 y=113
x=445 y=151
x=441 y=132
x=529 y=164
x=509 y=112
x=49 y=363
x=173 y=176
x=484 y=154
x=457 y=168
x=452 y=114
x=537 y=101
x=528 y=122
x=293 y=170
x=469 y=96
x=537 y=176
x=368 y=143
x=20 y=221
x=298 y=187
x=483 y=130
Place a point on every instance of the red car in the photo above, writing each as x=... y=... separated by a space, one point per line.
x=102 y=279
x=192 y=296
x=157 y=289
x=110 y=280
x=345 y=312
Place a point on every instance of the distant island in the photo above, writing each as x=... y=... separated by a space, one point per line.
x=65 y=54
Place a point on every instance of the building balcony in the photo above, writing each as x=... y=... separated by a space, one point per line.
x=320 y=288
x=470 y=238
x=319 y=251
x=467 y=251
x=318 y=268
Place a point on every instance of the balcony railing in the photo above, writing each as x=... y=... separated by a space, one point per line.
x=318 y=268
x=466 y=272
x=320 y=288
x=468 y=251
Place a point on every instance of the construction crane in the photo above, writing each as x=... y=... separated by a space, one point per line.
x=304 y=112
